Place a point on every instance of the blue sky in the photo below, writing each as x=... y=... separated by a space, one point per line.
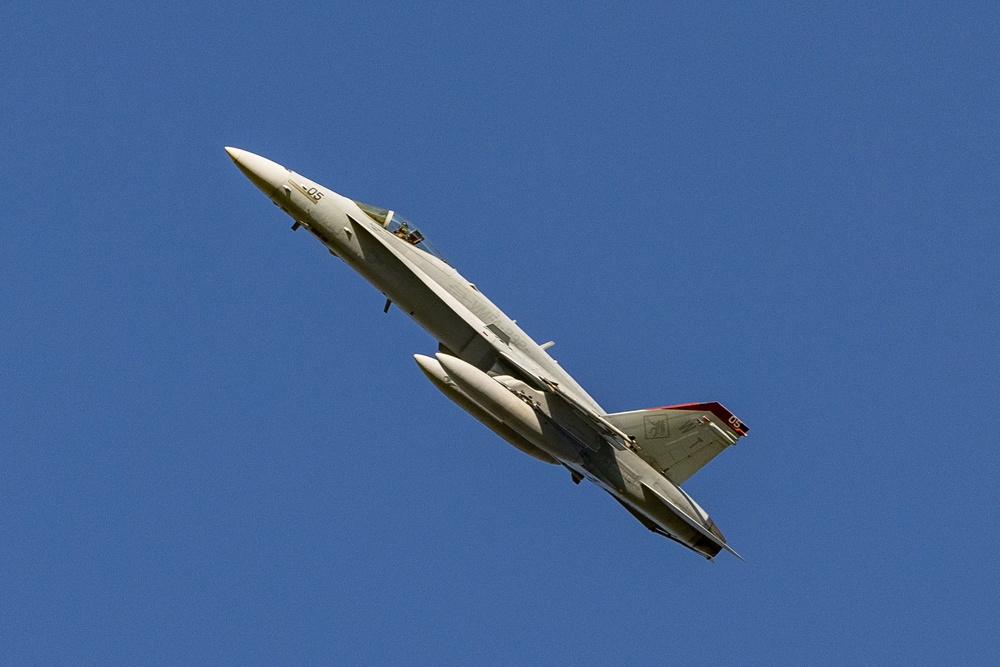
x=216 y=449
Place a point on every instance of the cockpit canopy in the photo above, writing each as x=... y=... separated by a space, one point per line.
x=399 y=226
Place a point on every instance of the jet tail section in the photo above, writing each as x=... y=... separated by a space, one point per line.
x=678 y=440
x=708 y=539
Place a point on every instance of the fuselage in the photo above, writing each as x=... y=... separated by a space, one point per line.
x=332 y=218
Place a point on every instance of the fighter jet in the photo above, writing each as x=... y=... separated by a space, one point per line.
x=494 y=371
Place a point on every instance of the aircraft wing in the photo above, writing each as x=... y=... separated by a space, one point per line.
x=565 y=408
x=675 y=440
x=678 y=440
x=460 y=330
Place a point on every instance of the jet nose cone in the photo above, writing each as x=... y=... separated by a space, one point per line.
x=268 y=176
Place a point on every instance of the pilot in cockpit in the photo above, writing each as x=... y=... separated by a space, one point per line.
x=409 y=235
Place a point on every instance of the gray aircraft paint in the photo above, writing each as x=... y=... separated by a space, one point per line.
x=496 y=372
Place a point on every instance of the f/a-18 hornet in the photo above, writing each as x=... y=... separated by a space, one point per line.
x=494 y=371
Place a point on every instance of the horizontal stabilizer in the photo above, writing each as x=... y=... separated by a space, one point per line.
x=711 y=536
